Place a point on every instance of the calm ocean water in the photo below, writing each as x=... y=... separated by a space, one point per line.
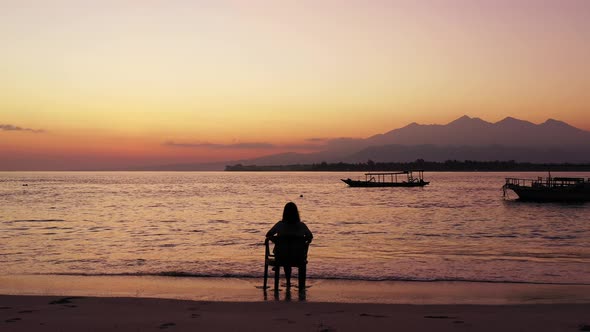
x=213 y=224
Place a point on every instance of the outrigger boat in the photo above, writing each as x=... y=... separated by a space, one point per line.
x=389 y=179
x=550 y=189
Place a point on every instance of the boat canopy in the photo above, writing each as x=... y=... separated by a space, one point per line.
x=568 y=179
x=392 y=176
x=394 y=173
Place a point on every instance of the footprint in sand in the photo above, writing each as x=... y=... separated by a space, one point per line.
x=440 y=317
x=26 y=311
x=194 y=315
x=324 y=328
x=167 y=325
x=372 y=315
x=65 y=300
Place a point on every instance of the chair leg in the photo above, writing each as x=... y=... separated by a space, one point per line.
x=277 y=269
x=265 y=275
x=302 y=276
x=288 y=275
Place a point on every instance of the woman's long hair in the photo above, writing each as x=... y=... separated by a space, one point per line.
x=291 y=214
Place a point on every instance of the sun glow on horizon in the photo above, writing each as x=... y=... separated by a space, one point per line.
x=127 y=83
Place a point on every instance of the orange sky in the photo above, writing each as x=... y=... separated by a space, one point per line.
x=125 y=83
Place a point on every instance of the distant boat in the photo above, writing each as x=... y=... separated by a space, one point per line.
x=389 y=179
x=563 y=189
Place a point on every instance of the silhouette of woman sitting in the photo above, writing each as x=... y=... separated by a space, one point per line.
x=291 y=237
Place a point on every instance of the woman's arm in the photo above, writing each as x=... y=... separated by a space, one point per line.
x=273 y=230
x=307 y=233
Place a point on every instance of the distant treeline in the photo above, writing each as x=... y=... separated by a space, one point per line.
x=447 y=166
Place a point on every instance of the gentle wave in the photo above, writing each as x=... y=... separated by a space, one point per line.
x=36 y=220
x=181 y=274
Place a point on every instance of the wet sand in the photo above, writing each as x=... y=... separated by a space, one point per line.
x=318 y=290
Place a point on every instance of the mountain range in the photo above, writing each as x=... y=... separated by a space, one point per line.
x=465 y=138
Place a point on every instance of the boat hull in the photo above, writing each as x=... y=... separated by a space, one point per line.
x=373 y=184
x=575 y=194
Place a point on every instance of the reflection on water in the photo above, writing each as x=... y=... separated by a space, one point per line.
x=284 y=294
x=213 y=224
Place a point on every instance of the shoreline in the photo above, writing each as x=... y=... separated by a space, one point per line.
x=318 y=290
x=584 y=170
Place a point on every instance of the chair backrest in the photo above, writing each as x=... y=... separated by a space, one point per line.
x=290 y=250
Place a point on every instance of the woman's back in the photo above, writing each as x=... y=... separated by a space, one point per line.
x=291 y=236
x=285 y=229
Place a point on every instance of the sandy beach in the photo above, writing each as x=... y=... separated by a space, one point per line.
x=43 y=313
x=132 y=303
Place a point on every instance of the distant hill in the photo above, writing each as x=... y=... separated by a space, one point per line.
x=467 y=131
x=465 y=138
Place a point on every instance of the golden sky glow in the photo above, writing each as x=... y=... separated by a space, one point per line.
x=124 y=78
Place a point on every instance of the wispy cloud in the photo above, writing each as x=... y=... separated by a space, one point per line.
x=9 y=127
x=244 y=146
x=317 y=139
x=253 y=145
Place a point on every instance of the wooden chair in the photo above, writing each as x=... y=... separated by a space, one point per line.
x=290 y=252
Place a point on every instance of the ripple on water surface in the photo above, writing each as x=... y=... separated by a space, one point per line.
x=213 y=224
